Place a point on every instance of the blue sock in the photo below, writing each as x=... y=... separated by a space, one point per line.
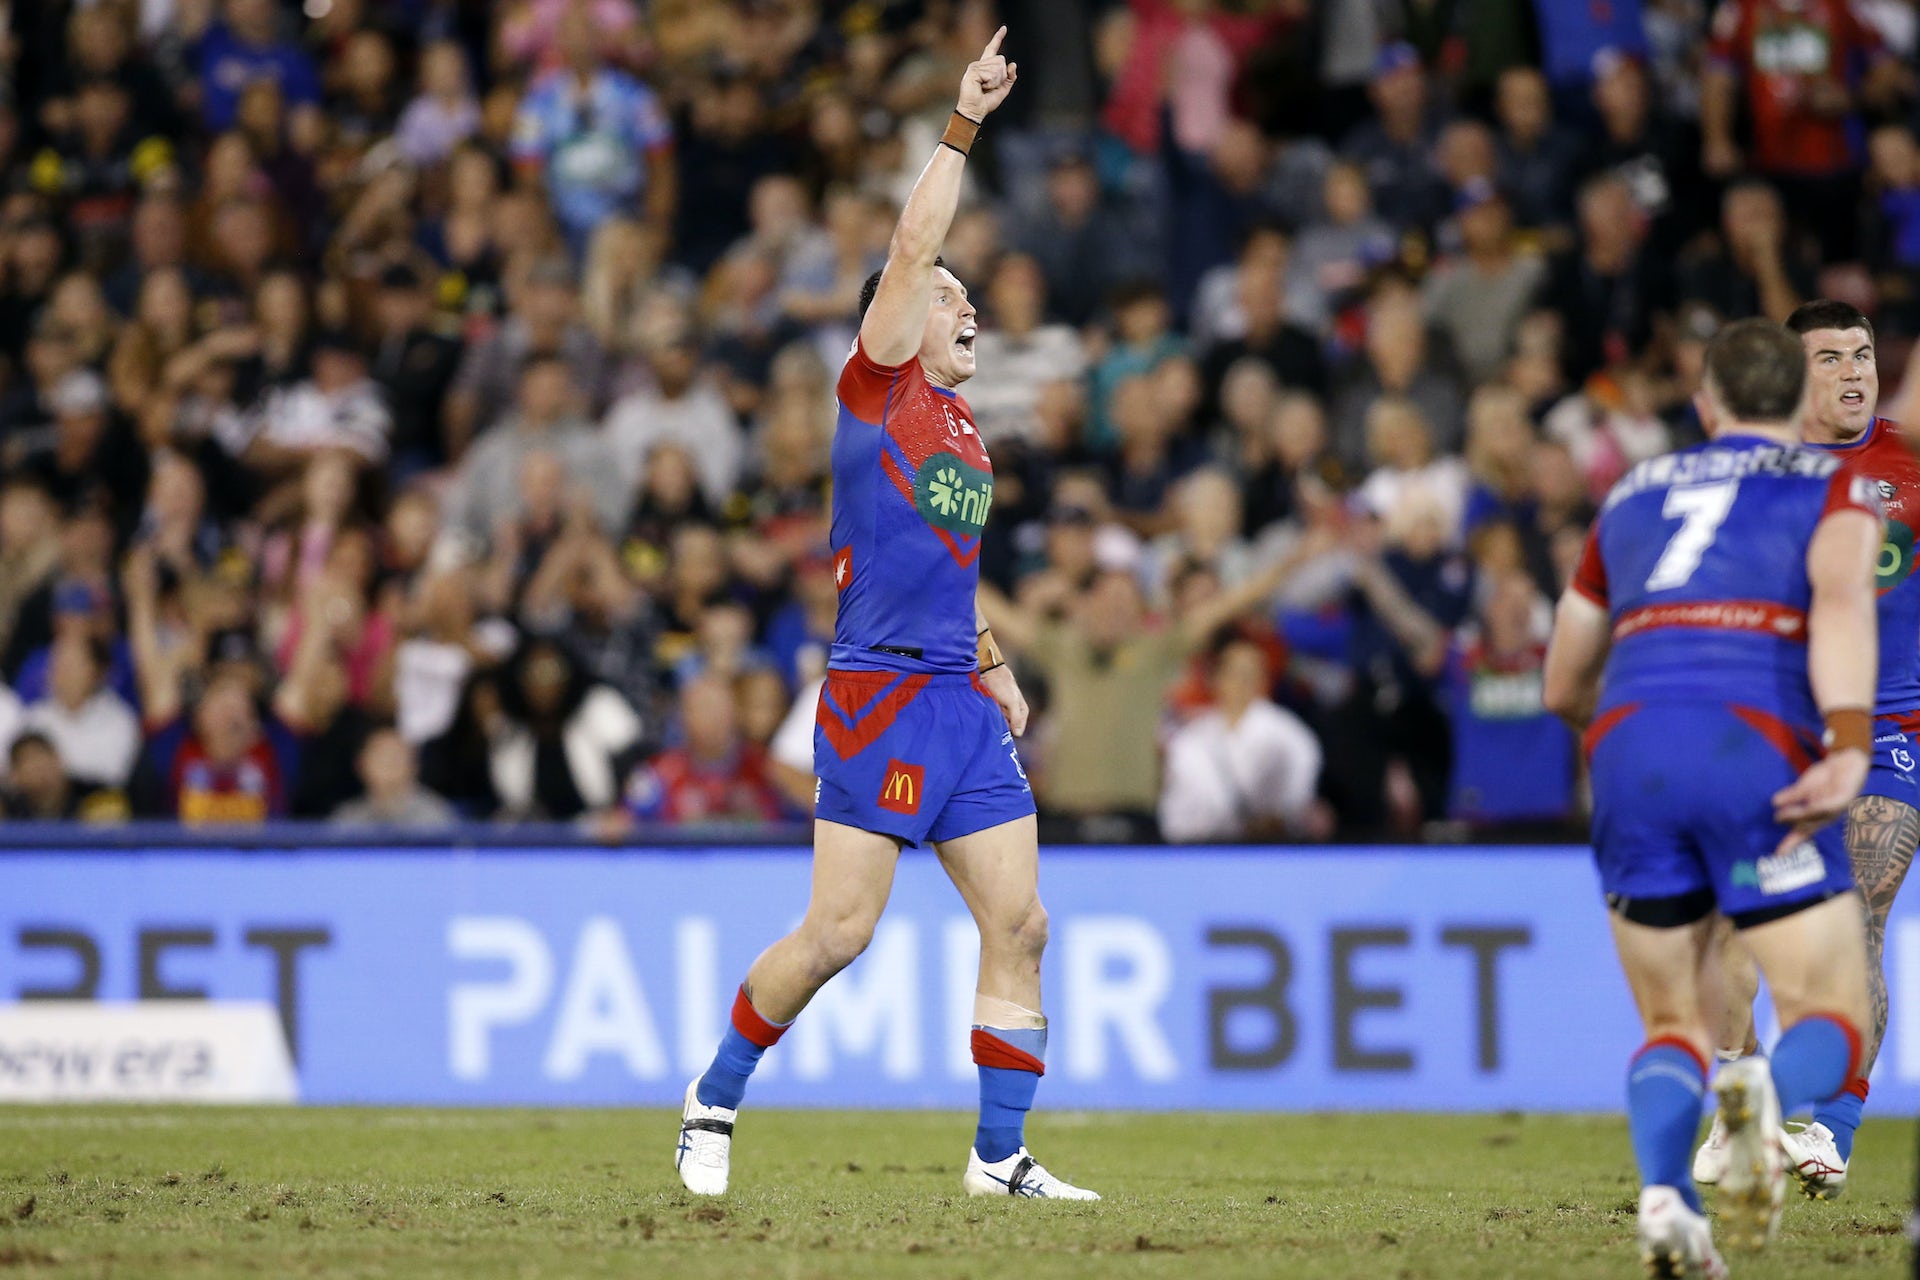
x=1011 y=1063
x=750 y=1036
x=1666 y=1089
x=1842 y=1115
x=1813 y=1061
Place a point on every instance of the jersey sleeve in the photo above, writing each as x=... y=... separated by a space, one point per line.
x=1590 y=575
x=1849 y=491
x=866 y=386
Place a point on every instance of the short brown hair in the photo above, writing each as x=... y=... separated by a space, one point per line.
x=1829 y=313
x=1757 y=370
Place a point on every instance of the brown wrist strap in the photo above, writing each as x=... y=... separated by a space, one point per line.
x=1849 y=729
x=961 y=131
x=990 y=655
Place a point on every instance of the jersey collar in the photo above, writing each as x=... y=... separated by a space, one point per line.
x=1866 y=438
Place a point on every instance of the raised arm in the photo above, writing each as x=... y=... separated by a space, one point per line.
x=891 y=330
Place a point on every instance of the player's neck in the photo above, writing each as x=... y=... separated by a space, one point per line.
x=1820 y=433
x=1778 y=432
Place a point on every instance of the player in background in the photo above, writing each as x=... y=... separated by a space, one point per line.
x=1728 y=593
x=915 y=729
x=1883 y=825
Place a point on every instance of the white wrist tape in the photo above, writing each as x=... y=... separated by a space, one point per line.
x=992 y=1011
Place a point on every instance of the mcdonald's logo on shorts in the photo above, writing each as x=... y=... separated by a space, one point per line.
x=901 y=792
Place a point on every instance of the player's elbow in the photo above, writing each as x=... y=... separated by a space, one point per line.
x=1563 y=696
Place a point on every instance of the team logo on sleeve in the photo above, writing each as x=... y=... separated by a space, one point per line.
x=904 y=785
x=952 y=494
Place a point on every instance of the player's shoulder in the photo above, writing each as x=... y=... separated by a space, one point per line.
x=1721 y=461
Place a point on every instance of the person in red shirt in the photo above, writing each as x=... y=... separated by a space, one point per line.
x=716 y=775
x=1806 y=67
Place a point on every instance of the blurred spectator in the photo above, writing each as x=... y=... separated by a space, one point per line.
x=29 y=555
x=542 y=323
x=87 y=722
x=38 y=788
x=1143 y=338
x=1389 y=742
x=1086 y=248
x=558 y=746
x=414 y=363
x=1395 y=148
x=457 y=763
x=444 y=113
x=1751 y=271
x=716 y=776
x=87 y=457
x=1605 y=291
x=1107 y=670
x=1246 y=769
x=1398 y=361
x=1645 y=147
x=248 y=47
x=1407 y=468
x=1333 y=257
x=1538 y=159
x=1477 y=300
x=1512 y=761
x=1803 y=88
x=339 y=407
x=683 y=408
x=596 y=136
x=488 y=489
x=1024 y=352
x=394 y=797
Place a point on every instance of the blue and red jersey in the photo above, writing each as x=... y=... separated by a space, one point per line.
x=1700 y=558
x=912 y=486
x=1884 y=456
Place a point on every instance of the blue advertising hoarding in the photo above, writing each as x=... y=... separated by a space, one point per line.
x=1426 y=979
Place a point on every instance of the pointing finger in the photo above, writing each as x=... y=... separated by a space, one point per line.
x=993 y=45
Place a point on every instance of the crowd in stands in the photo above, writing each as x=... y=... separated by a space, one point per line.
x=420 y=410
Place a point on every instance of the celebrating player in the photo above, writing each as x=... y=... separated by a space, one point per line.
x=1883 y=826
x=1733 y=585
x=914 y=738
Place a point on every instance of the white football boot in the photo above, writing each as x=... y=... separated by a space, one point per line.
x=1753 y=1186
x=705 y=1151
x=1675 y=1242
x=1814 y=1161
x=1710 y=1161
x=1018 y=1175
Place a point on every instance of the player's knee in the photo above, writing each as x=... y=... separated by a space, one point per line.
x=1027 y=932
x=838 y=943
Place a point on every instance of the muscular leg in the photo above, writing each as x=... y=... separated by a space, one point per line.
x=1815 y=962
x=852 y=876
x=1667 y=1079
x=997 y=872
x=1728 y=985
x=1881 y=836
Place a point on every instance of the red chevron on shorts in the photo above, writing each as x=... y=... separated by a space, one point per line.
x=857 y=707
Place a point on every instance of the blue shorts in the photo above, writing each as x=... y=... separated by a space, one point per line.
x=1894 y=757
x=916 y=757
x=1683 y=805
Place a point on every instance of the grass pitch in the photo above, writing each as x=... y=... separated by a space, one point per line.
x=167 y=1192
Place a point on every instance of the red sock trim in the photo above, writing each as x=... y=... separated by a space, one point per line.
x=1857 y=1087
x=990 y=1050
x=1677 y=1043
x=1855 y=1049
x=748 y=1022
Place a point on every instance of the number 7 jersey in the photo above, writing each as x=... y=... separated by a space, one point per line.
x=1700 y=558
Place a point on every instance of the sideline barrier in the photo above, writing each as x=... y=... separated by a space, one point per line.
x=1468 y=978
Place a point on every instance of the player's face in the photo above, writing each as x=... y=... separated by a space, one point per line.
x=946 y=348
x=1843 y=384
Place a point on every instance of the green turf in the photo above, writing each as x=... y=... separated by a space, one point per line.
x=163 y=1192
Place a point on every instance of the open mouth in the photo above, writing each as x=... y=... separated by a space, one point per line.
x=965 y=340
x=1853 y=399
